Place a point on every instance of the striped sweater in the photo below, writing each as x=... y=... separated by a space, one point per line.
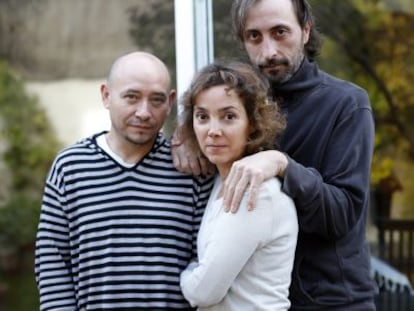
x=116 y=238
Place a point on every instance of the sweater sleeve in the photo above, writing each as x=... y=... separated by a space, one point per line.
x=52 y=259
x=201 y=190
x=331 y=200
x=206 y=283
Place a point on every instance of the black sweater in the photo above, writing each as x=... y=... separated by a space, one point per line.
x=329 y=141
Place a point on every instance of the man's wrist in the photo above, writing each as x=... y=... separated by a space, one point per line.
x=282 y=164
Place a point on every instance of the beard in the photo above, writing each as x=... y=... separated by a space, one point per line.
x=280 y=70
x=276 y=70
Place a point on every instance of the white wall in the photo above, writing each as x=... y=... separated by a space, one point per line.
x=74 y=107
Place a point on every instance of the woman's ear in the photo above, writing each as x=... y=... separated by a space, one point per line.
x=252 y=129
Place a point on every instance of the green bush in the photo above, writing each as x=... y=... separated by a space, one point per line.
x=18 y=222
x=31 y=142
x=28 y=145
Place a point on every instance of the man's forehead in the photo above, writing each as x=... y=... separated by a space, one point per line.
x=139 y=67
x=278 y=11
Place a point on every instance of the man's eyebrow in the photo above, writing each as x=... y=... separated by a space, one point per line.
x=135 y=91
x=159 y=94
x=130 y=91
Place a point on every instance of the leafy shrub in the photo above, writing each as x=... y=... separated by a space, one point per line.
x=18 y=222
x=28 y=146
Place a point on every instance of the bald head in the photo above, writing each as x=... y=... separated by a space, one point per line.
x=143 y=62
x=138 y=97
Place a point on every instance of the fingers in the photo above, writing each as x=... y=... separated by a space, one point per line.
x=234 y=187
x=240 y=179
x=180 y=161
x=238 y=193
x=194 y=164
x=200 y=165
x=255 y=183
x=207 y=168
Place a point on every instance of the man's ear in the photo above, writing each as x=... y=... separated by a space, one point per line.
x=105 y=95
x=171 y=99
x=306 y=32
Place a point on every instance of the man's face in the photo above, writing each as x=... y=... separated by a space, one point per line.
x=139 y=101
x=274 y=39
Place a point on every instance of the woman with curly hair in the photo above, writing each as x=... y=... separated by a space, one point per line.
x=245 y=259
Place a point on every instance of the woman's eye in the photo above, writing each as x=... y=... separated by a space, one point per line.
x=201 y=116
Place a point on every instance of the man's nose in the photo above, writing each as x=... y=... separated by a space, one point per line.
x=269 y=48
x=142 y=110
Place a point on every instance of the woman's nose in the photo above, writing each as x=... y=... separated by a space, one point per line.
x=215 y=129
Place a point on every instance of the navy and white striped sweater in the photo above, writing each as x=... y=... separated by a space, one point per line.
x=116 y=238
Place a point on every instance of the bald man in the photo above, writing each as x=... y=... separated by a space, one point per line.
x=118 y=222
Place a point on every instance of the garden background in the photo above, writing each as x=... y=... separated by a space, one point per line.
x=55 y=53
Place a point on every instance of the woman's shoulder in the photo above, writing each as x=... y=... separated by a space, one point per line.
x=271 y=186
x=271 y=193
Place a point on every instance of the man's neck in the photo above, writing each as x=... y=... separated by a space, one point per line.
x=127 y=151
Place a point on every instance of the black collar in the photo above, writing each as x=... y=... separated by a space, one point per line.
x=306 y=77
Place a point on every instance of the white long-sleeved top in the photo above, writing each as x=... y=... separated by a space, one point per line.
x=244 y=259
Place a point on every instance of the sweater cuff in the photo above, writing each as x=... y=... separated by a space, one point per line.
x=299 y=181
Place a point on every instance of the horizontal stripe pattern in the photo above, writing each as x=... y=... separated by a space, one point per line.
x=116 y=238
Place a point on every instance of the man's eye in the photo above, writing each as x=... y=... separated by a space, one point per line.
x=280 y=32
x=131 y=97
x=158 y=101
x=253 y=36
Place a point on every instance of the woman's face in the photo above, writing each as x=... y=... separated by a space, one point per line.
x=221 y=126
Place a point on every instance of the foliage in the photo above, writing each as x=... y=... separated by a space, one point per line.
x=13 y=15
x=29 y=147
x=225 y=44
x=18 y=222
x=152 y=29
x=30 y=140
x=375 y=51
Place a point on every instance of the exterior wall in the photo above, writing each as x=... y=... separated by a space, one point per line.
x=58 y=39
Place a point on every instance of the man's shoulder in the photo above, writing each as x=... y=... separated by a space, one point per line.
x=82 y=148
x=342 y=86
x=345 y=91
x=83 y=144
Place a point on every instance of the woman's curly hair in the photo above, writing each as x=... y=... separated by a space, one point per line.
x=264 y=116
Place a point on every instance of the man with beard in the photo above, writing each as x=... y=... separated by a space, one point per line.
x=324 y=157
